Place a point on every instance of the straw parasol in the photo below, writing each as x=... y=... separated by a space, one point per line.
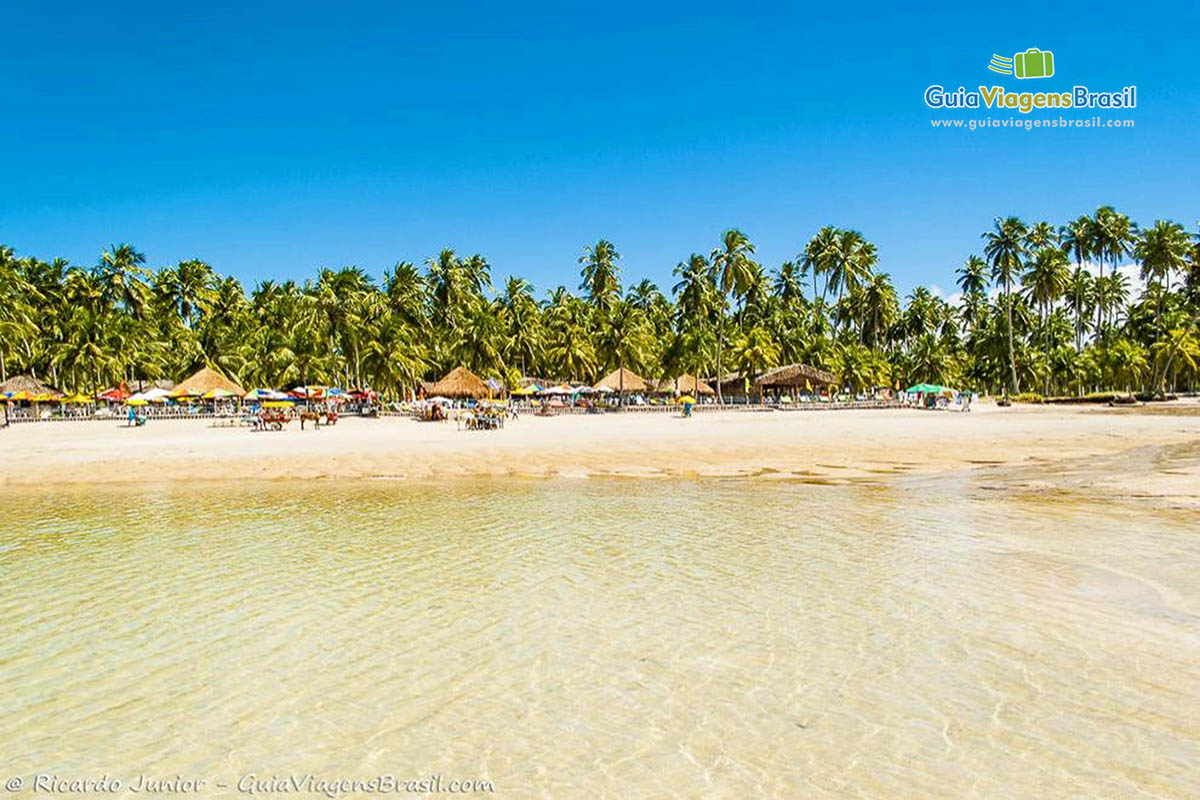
x=204 y=381
x=622 y=380
x=25 y=383
x=684 y=384
x=461 y=382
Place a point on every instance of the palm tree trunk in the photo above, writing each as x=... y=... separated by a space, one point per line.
x=720 y=376
x=1012 y=364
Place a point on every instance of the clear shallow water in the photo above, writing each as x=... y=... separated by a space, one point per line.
x=606 y=638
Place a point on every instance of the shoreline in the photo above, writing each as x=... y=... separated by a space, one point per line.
x=1089 y=448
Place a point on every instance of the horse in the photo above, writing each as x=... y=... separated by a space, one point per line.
x=315 y=416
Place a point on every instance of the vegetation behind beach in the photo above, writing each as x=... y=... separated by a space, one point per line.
x=1040 y=309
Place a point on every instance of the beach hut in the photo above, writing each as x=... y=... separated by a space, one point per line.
x=25 y=383
x=623 y=380
x=460 y=382
x=794 y=376
x=206 y=380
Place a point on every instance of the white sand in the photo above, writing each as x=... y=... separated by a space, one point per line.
x=1095 y=447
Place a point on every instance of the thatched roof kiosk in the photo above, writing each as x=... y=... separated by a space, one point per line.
x=460 y=382
x=684 y=384
x=25 y=383
x=206 y=380
x=623 y=380
x=794 y=376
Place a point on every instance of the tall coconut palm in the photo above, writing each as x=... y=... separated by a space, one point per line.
x=1046 y=280
x=1113 y=238
x=880 y=308
x=1004 y=247
x=733 y=271
x=601 y=275
x=1080 y=291
x=818 y=257
x=122 y=274
x=1161 y=250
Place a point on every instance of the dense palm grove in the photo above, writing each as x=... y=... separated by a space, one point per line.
x=1042 y=309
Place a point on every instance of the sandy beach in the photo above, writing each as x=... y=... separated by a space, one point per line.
x=1146 y=451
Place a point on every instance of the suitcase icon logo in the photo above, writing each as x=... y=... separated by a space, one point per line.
x=1033 y=63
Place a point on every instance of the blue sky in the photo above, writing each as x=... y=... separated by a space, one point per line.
x=273 y=139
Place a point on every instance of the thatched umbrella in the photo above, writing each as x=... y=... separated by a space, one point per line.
x=206 y=380
x=460 y=382
x=685 y=384
x=25 y=383
x=623 y=380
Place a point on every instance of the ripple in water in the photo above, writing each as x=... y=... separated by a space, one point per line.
x=606 y=638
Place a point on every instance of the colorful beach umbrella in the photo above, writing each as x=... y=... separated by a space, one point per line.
x=218 y=394
x=77 y=399
x=929 y=388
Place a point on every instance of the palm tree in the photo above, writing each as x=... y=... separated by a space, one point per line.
x=880 y=308
x=625 y=336
x=733 y=271
x=789 y=283
x=1080 y=291
x=121 y=272
x=186 y=288
x=818 y=257
x=1004 y=247
x=1046 y=280
x=1113 y=237
x=756 y=351
x=973 y=281
x=1179 y=347
x=852 y=260
x=1161 y=250
x=600 y=273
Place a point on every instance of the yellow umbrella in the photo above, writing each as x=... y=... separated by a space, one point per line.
x=687 y=398
x=78 y=398
x=25 y=394
x=218 y=394
x=138 y=402
x=278 y=404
